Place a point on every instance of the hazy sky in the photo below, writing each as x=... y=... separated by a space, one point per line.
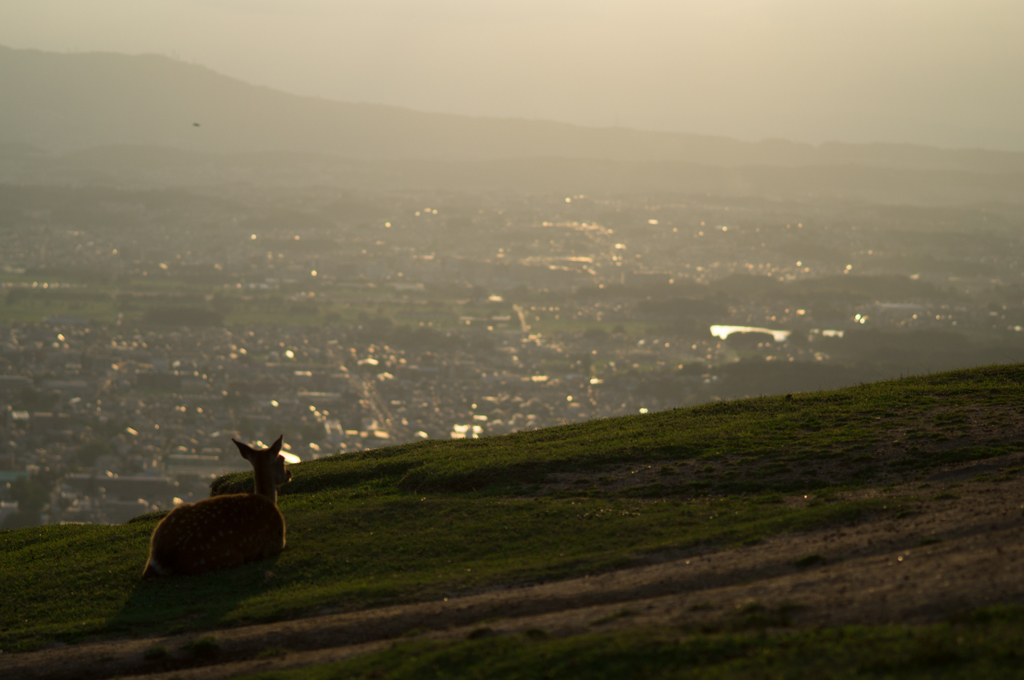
x=942 y=72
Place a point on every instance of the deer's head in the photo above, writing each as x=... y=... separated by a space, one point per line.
x=267 y=460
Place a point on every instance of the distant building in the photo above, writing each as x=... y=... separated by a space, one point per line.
x=204 y=467
x=7 y=509
x=67 y=320
x=67 y=388
x=157 y=490
x=49 y=422
x=11 y=385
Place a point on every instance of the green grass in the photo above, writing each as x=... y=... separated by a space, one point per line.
x=356 y=550
x=773 y=444
x=102 y=302
x=440 y=518
x=986 y=646
x=61 y=303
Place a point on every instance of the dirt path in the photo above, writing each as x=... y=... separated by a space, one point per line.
x=952 y=556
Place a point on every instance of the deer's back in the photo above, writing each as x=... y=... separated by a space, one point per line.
x=217 y=533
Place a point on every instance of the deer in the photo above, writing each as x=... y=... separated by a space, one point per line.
x=224 y=531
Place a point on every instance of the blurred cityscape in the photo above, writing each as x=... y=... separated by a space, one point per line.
x=141 y=329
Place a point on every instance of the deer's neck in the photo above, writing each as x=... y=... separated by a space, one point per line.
x=265 y=485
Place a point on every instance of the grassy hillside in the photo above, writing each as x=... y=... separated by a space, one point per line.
x=986 y=649
x=867 y=435
x=441 y=518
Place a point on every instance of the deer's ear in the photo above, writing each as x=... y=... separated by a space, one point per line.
x=243 y=449
x=275 y=448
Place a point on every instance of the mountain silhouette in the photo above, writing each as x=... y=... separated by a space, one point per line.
x=67 y=102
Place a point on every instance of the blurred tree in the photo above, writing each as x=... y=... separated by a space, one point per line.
x=90 y=451
x=31 y=495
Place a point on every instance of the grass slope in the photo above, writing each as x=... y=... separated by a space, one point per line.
x=988 y=646
x=440 y=518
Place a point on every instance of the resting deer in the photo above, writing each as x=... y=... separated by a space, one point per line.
x=224 y=531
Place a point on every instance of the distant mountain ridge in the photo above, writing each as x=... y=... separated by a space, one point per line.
x=66 y=102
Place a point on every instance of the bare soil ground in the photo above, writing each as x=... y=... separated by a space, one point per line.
x=960 y=549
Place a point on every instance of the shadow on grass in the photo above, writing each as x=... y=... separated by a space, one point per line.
x=179 y=604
